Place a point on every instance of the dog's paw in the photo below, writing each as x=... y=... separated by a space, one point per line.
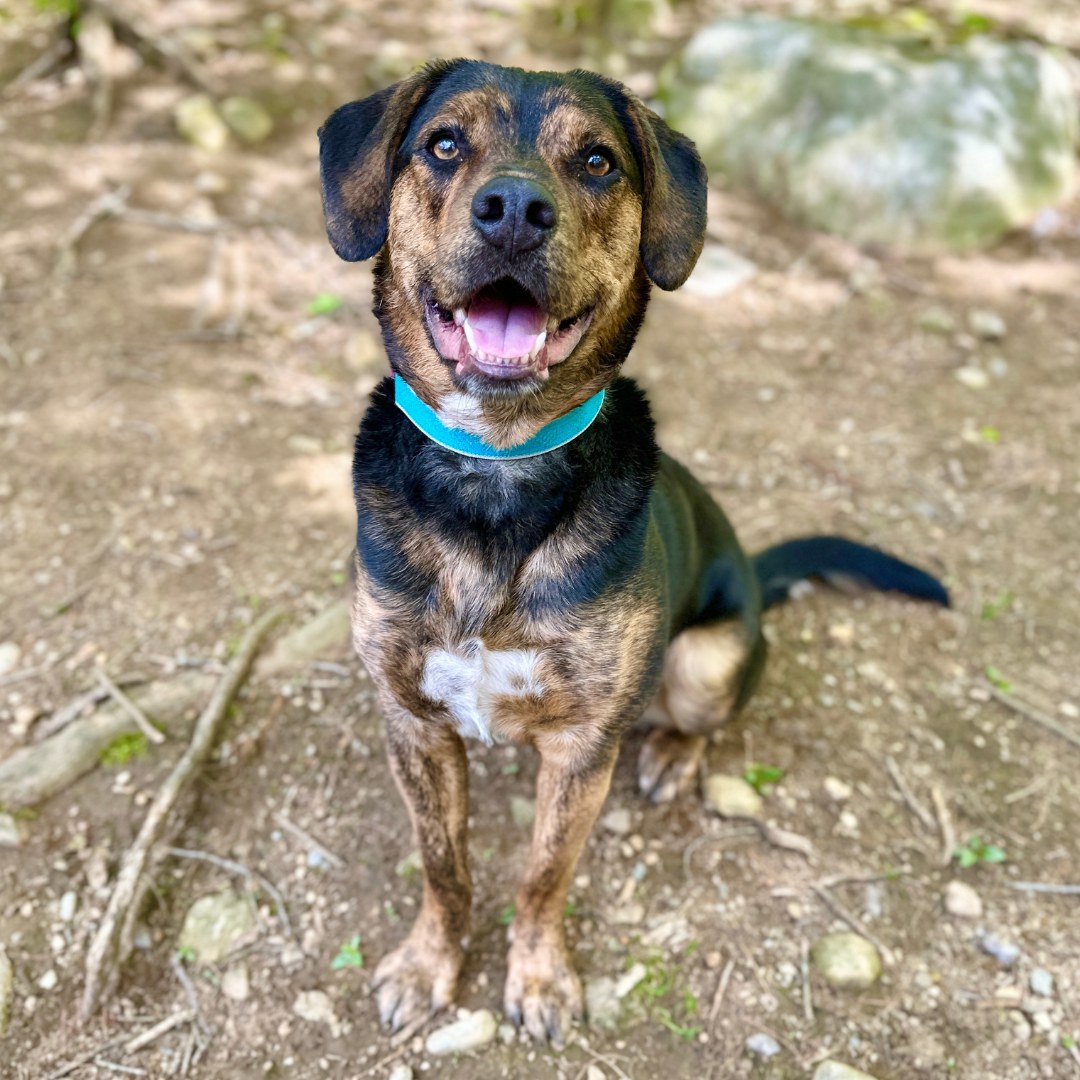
x=543 y=991
x=668 y=764
x=415 y=981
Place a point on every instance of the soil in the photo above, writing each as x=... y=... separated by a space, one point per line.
x=175 y=432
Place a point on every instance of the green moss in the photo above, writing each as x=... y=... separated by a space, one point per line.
x=124 y=748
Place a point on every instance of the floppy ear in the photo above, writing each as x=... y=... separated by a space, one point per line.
x=357 y=145
x=674 y=187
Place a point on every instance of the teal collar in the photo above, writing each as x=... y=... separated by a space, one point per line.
x=551 y=436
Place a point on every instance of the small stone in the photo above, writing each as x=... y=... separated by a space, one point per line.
x=522 y=810
x=235 y=983
x=712 y=960
x=214 y=926
x=962 y=901
x=401 y=1072
x=1004 y=952
x=937 y=320
x=7 y=989
x=763 y=1045
x=837 y=790
x=601 y=1004
x=247 y=118
x=68 y=903
x=988 y=325
x=594 y=1072
x=617 y=821
x=847 y=961
x=470 y=1032
x=49 y=980
x=315 y=1007
x=837 y=1070
x=507 y=1033
x=10 y=833
x=198 y=121
x=974 y=378
x=628 y=981
x=1041 y=982
x=731 y=796
x=10 y=654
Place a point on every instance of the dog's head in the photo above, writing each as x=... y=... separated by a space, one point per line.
x=520 y=217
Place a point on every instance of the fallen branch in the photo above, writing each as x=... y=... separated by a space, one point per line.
x=1037 y=716
x=129 y=706
x=112 y=941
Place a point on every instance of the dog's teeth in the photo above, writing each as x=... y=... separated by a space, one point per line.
x=469 y=335
x=538 y=344
x=459 y=316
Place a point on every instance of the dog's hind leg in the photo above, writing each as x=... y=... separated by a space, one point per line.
x=704 y=680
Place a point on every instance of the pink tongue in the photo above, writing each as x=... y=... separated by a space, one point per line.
x=505 y=330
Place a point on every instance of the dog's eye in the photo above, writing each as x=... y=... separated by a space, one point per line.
x=444 y=146
x=598 y=163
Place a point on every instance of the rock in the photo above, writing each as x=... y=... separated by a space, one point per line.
x=601 y=1004
x=1004 y=952
x=10 y=654
x=214 y=925
x=522 y=810
x=11 y=835
x=198 y=122
x=594 y=1072
x=1041 y=982
x=401 y=1072
x=837 y=790
x=849 y=130
x=974 y=378
x=507 y=1033
x=235 y=983
x=937 y=320
x=49 y=980
x=68 y=903
x=470 y=1032
x=763 y=1045
x=628 y=981
x=962 y=901
x=846 y=961
x=718 y=272
x=731 y=796
x=7 y=989
x=315 y=1007
x=247 y=118
x=617 y=821
x=988 y=325
x=836 y=1070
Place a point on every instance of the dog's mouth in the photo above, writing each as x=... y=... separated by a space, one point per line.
x=504 y=333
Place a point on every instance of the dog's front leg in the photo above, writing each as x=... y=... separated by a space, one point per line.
x=431 y=769
x=543 y=991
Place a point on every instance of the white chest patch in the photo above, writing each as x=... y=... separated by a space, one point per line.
x=468 y=681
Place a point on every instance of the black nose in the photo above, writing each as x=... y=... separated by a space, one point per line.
x=513 y=213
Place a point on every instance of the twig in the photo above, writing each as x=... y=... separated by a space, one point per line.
x=604 y=1059
x=913 y=804
x=807 y=991
x=20 y=676
x=183 y=1016
x=1033 y=714
x=856 y=924
x=945 y=823
x=244 y=872
x=1048 y=887
x=107 y=205
x=112 y=1066
x=190 y=993
x=82 y=1059
x=112 y=941
x=291 y=827
x=129 y=706
x=721 y=990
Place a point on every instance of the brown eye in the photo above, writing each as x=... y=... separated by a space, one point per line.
x=444 y=147
x=598 y=164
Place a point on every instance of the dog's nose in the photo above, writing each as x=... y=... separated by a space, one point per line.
x=513 y=213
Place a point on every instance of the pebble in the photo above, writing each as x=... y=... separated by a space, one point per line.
x=214 y=925
x=837 y=1070
x=630 y=980
x=522 y=810
x=763 y=1045
x=49 y=980
x=988 y=325
x=601 y=1004
x=837 y=789
x=247 y=118
x=1004 y=952
x=731 y=796
x=470 y=1032
x=198 y=121
x=68 y=903
x=10 y=833
x=962 y=901
x=235 y=983
x=1041 y=982
x=315 y=1007
x=594 y=1072
x=937 y=321
x=846 y=961
x=974 y=378
x=401 y=1072
x=617 y=821
x=10 y=654
x=7 y=989
x=507 y=1033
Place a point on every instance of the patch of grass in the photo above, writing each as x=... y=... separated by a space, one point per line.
x=506 y=916
x=659 y=978
x=997 y=678
x=996 y=606
x=684 y=1031
x=1068 y=1042
x=349 y=955
x=760 y=777
x=124 y=748
x=324 y=303
x=975 y=851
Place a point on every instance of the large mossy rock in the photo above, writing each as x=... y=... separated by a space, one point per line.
x=875 y=139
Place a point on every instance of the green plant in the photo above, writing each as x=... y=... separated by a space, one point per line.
x=997 y=678
x=996 y=606
x=760 y=777
x=989 y=433
x=391 y=912
x=349 y=955
x=975 y=851
x=684 y=1031
x=124 y=748
x=506 y=916
x=185 y=954
x=324 y=303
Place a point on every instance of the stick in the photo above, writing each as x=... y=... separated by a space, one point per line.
x=945 y=822
x=1033 y=714
x=82 y=1059
x=190 y=993
x=721 y=990
x=155 y=1033
x=804 y=971
x=842 y=913
x=104 y=206
x=1044 y=887
x=335 y=861
x=913 y=804
x=112 y=1066
x=112 y=941
x=129 y=706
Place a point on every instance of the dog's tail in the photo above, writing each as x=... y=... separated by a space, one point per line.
x=836 y=560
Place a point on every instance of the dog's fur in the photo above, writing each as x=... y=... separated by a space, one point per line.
x=551 y=600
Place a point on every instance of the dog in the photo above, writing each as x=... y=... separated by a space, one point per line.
x=529 y=566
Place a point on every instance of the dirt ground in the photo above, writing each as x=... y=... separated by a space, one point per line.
x=175 y=429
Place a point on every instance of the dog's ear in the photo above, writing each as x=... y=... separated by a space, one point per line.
x=357 y=146
x=674 y=188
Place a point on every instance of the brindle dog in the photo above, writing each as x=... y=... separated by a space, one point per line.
x=519 y=219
